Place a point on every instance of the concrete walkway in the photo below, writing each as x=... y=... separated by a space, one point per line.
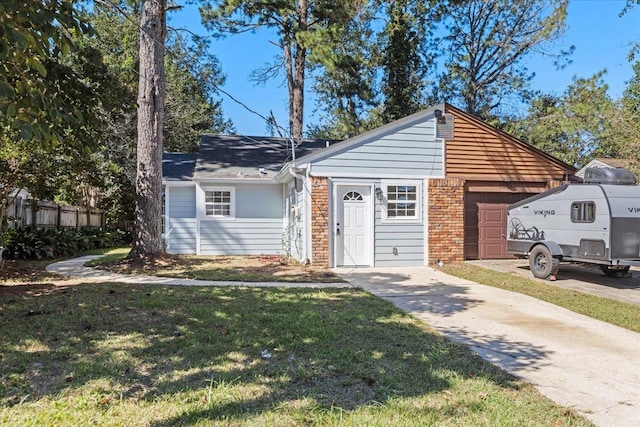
x=75 y=268
x=576 y=361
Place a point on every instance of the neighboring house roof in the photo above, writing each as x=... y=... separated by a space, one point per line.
x=178 y=166
x=236 y=156
x=614 y=163
x=602 y=163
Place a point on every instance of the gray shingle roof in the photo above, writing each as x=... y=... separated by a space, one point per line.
x=235 y=156
x=178 y=166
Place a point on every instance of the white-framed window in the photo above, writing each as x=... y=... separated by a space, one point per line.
x=219 y=202
x=402 y=201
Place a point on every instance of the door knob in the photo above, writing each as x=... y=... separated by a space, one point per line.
x=338 y=229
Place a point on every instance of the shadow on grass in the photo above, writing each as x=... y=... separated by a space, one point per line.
x=340 y=349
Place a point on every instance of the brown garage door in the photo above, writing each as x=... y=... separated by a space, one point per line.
x=485 y=224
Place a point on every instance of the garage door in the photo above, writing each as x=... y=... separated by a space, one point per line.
x=485 y=224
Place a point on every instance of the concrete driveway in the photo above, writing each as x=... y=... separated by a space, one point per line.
x=576 y=361
x=579 y=277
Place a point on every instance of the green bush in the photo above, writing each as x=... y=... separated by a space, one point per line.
x=26 y=243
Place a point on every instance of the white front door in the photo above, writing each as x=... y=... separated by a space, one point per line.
x=352 y=230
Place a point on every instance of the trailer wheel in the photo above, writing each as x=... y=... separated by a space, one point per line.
x=541 y=263
x=615 y=272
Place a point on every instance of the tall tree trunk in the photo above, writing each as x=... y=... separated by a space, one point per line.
x=147 y=236
x=297 y=95
x=287 y=47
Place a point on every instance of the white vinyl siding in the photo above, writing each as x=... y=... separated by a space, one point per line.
x=399 y=243
x=256 y=229
x=181 y=227
x=407 y=239
x=181 y=202
x=259 y=201
x=181 y=236
x=412 y=151
x=251 y=236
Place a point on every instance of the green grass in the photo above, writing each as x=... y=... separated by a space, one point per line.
x=134 y=355
x=113 y=253
x=611 y=311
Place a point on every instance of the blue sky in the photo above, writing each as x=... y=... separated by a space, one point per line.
x=602 y=39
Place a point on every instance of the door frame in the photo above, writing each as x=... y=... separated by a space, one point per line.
x=370 y=214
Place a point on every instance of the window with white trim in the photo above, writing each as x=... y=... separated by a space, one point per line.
x=219 y=202
x=402 y=201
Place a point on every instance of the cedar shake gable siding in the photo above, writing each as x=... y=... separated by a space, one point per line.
x=481 y=152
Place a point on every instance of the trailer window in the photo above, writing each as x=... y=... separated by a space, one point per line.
x=583 y=212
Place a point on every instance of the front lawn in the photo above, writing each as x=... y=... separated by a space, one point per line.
x=267 y=268
x=113 y=354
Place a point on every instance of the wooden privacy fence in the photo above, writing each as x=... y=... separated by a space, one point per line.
x=45 y=214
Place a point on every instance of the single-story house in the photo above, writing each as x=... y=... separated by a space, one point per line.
x=430 y=187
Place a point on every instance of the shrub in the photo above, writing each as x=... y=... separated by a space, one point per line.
x=26 y=243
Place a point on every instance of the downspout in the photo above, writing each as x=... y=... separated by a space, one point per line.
x=307 y=223
x=305 y=219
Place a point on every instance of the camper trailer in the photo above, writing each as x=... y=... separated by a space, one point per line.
x=596 y=222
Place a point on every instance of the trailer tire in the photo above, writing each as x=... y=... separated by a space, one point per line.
x=542 y=264
x=614 y=272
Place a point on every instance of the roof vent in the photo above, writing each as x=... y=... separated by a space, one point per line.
x=617 y=176
x=444 y=125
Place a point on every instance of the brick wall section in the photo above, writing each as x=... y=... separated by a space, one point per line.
x=446 y=220
x=320 y=221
